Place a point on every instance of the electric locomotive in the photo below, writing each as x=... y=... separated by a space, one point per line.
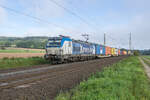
x=63 y=49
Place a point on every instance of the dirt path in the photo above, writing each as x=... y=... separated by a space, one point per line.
x=145 y=59
x=147 y=68
x=46 y=83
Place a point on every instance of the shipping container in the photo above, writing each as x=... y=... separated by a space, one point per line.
x=113 y=51
x=116 y=52
x=124 y=52
x=119 y=53
x=108 y=51
x=97 y=49
x=102 y=50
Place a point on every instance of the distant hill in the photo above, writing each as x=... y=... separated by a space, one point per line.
x=36 y=42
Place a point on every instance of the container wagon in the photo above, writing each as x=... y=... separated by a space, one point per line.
x=124 y=52
x=112 y=51
x=108 y=51
x=116 y=52
x=119 y=52
x=102 y=50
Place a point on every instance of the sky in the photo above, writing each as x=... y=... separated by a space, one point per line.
x=116 y=18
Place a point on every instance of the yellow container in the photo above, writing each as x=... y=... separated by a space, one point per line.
x=113 y=51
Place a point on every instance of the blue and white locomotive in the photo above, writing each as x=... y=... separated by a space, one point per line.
x=64 y=49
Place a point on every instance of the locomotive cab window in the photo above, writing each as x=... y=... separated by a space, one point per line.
x=54 y=42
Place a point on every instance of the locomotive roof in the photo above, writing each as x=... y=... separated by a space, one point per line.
x=59 y=37
x=55 y=37
x=79 y=41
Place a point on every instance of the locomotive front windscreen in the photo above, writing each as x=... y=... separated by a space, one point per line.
x=54 y=42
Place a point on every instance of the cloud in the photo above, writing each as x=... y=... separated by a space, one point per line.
x=116 y=19
x=138 y=26
x=3 y=13
x=137 y=4
x=45 y=31
x=42 y=8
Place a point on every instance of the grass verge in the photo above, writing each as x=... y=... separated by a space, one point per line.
x=21 y=62
x=146 y=60
x=148 y=57
x=125 y=80
x=20 y=51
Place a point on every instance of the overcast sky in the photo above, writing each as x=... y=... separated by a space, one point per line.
x=116 y=18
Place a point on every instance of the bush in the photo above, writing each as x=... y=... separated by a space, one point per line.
x=2 y=48
x=136 y=53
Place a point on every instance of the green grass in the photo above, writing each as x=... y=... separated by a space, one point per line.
x=147 y=62
x=21 y=62
x=148 y=57
x=20 y=51
x=125 y=80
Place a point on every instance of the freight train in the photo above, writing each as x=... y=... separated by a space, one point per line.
x=63 y=49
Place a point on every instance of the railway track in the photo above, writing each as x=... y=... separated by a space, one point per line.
x=26 y=78
x=33 y=79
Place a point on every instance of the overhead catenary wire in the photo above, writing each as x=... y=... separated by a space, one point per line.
x=115 y=42
x=31 y=16
x=45 y=21
x=74 y=14
x=35 y=18
x=112 y=42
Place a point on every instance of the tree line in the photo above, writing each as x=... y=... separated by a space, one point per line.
x=145 y=52
x=25 y=42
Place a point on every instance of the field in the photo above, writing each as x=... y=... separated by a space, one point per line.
x=20 y=55
x=21 y=62
x=21 y=52
x=125 y=80
x=148 y=57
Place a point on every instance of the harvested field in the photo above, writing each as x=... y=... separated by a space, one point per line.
x=20 y=55
x=21 y=50
x=26 y=49
x=46 y=82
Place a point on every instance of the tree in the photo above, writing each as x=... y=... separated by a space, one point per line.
x=136 y=53
x=7 y=44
